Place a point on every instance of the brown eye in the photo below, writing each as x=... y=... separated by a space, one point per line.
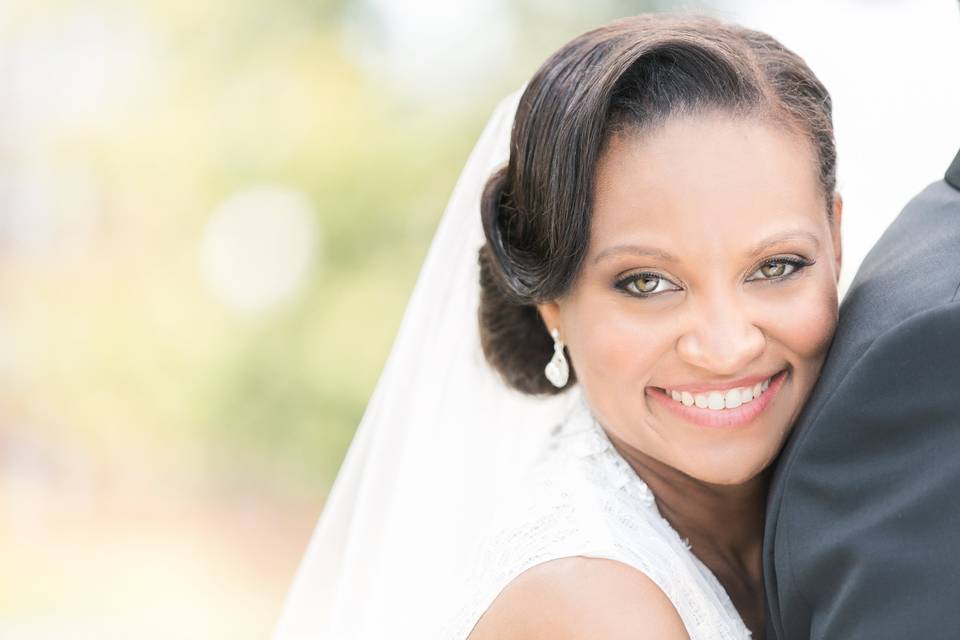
x=779 y=269
x=646 y=284
x=773 y=269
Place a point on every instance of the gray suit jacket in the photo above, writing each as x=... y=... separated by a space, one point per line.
x=862 y=533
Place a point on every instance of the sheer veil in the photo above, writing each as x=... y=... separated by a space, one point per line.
x=441 y=439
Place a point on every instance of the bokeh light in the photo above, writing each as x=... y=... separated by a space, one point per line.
x=257 y=247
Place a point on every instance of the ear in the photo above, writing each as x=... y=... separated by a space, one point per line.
x=550 y=314
x=835 y=232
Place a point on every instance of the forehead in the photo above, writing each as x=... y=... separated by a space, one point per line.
x=705 y=182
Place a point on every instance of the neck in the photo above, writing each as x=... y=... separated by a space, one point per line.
x=718 y=520
x=722 y=523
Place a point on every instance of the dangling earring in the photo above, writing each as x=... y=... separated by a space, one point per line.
x=557 y=370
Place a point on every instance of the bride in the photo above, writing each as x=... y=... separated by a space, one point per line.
x=573 y=434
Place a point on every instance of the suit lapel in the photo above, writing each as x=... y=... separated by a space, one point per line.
x=953 y=173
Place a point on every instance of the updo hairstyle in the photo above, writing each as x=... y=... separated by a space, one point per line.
x=627 y=76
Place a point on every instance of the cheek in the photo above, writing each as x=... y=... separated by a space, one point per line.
x=617 y=344
x=807 y=321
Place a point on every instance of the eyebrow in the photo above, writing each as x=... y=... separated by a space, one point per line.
x=636 y=250
x=760 y=247
x=785 y=236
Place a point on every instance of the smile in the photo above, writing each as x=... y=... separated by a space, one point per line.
x=721 y=407
x=718 y=400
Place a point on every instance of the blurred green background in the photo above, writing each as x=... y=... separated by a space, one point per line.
x=211 y=216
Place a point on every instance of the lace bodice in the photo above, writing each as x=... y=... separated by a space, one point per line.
x=584 y=499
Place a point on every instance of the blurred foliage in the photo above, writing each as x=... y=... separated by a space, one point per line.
x=118 y=344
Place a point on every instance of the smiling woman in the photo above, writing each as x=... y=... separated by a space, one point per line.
x=727 y=281
x=665 y=238
x=679 y=234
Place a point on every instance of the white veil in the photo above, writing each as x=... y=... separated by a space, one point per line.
x=441 y=439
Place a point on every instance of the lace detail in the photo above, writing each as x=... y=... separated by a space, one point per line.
x=584 y=499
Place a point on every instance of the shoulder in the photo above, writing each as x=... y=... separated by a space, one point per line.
x=920 y=352
x=902 y=384
x=579 y=597
x=884 y=450
x=913 y=267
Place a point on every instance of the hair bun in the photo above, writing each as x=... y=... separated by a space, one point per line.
x=514 y=339
x=515 y=266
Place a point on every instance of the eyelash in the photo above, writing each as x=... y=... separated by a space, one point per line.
x=798 y=264
x=622 y=283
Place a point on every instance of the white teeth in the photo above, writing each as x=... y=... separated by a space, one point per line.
x=731 y=399
x=716 y=400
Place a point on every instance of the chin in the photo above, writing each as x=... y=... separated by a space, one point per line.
x=732 y=478
x=735 y=471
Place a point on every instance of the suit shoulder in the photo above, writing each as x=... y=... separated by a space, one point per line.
x=872 y=469
x=919 y=351
x=908 y=371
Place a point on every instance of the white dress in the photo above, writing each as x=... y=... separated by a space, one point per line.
x=584 y=499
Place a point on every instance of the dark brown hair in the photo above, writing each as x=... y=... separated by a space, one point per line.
x=629 y=75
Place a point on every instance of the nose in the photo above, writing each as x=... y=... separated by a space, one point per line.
x=721 y=337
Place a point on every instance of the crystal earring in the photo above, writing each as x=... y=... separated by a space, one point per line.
x=557 y=370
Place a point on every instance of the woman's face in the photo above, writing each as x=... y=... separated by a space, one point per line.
x=708 y=295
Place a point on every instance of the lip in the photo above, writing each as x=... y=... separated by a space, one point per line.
x=742 y=415
x=720 y=386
